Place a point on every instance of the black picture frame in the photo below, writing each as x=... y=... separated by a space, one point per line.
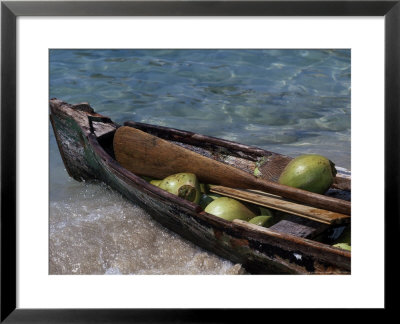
x=10 y=10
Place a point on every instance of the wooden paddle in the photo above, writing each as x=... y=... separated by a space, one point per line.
x=148 y=155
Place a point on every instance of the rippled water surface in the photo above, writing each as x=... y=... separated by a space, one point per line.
x=287 y=101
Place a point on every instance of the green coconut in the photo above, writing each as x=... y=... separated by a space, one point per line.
x=206 y=199
x=229 y=209
x=265 y=220
x=259 y=163
x=257 y=173
x=265 y=211
x=345 y=237
x=204 y=188
x=309 y=172
x=155 y=182
x=214 y=196
x=343 y=246
x=188 y=181
x=188 y=192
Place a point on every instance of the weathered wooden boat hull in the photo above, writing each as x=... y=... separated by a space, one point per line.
x=83 y=146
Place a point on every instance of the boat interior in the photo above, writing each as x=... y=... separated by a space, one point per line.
x=245 y=158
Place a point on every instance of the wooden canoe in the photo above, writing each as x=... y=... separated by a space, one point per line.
x=85 y=141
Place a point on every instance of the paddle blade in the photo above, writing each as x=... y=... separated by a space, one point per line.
x=148 y=155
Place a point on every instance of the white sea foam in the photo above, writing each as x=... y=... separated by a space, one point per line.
x=100 y=232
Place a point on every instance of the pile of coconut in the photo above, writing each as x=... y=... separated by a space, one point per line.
x=309 y=172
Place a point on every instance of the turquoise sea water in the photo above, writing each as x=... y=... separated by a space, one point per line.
x=287 y=101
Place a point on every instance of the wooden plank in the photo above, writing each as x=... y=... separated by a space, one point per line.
x=278 y=203
x=298 y=226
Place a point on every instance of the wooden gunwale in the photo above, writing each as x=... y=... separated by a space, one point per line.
x=182 y=134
